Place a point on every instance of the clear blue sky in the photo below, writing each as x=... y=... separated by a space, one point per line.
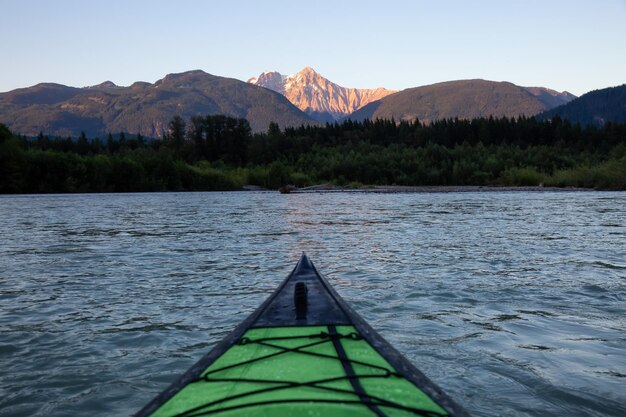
x=562 y=44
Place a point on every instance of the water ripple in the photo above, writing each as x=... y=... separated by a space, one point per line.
x=512 y=302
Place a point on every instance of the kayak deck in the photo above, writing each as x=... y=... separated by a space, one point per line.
x=303 y=352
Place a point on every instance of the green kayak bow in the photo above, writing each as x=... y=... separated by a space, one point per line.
x=303 y=352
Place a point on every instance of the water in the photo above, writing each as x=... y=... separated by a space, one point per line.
x=514 y=303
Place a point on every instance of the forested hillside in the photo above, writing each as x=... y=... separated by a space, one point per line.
x=222 y=153
x=594 y=108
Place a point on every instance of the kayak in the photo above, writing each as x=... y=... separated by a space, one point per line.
x=303 y=352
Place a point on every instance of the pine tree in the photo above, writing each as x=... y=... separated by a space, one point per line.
x=176 y=134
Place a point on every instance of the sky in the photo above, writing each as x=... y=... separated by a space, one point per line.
x=571 y=45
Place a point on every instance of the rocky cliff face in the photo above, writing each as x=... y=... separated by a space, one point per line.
x=315 y=95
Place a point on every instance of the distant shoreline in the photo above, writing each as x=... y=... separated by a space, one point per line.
x=329 y=189
x=399 y=189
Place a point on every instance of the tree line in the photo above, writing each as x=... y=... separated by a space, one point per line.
x=217 y=152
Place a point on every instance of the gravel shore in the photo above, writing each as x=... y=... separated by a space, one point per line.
x=329 y=188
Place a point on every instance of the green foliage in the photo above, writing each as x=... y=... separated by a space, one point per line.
x=610 y=174
x=204 y=178
x=299 y=179
x=176 y=135
x=257 y=175
x=526 y=176
x=221 y=153
x=277 y=175
x=11 y=163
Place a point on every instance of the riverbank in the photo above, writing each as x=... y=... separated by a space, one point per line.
x=330 y=188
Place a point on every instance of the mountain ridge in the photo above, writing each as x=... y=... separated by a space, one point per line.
x=147 y=108
x=142 y=107
x=463 y=99
x=317 y=96
x=551 y=98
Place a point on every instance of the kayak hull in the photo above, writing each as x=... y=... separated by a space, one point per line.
x=304 y=351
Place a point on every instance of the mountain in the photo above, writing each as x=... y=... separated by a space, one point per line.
x=142 y=107
x=464 y=99
x=594 y=108
x=549 y=97
x=321 y=99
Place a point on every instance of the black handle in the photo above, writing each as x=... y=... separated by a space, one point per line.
x=300 y=300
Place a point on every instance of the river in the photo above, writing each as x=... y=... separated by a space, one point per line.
x=513 y=302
